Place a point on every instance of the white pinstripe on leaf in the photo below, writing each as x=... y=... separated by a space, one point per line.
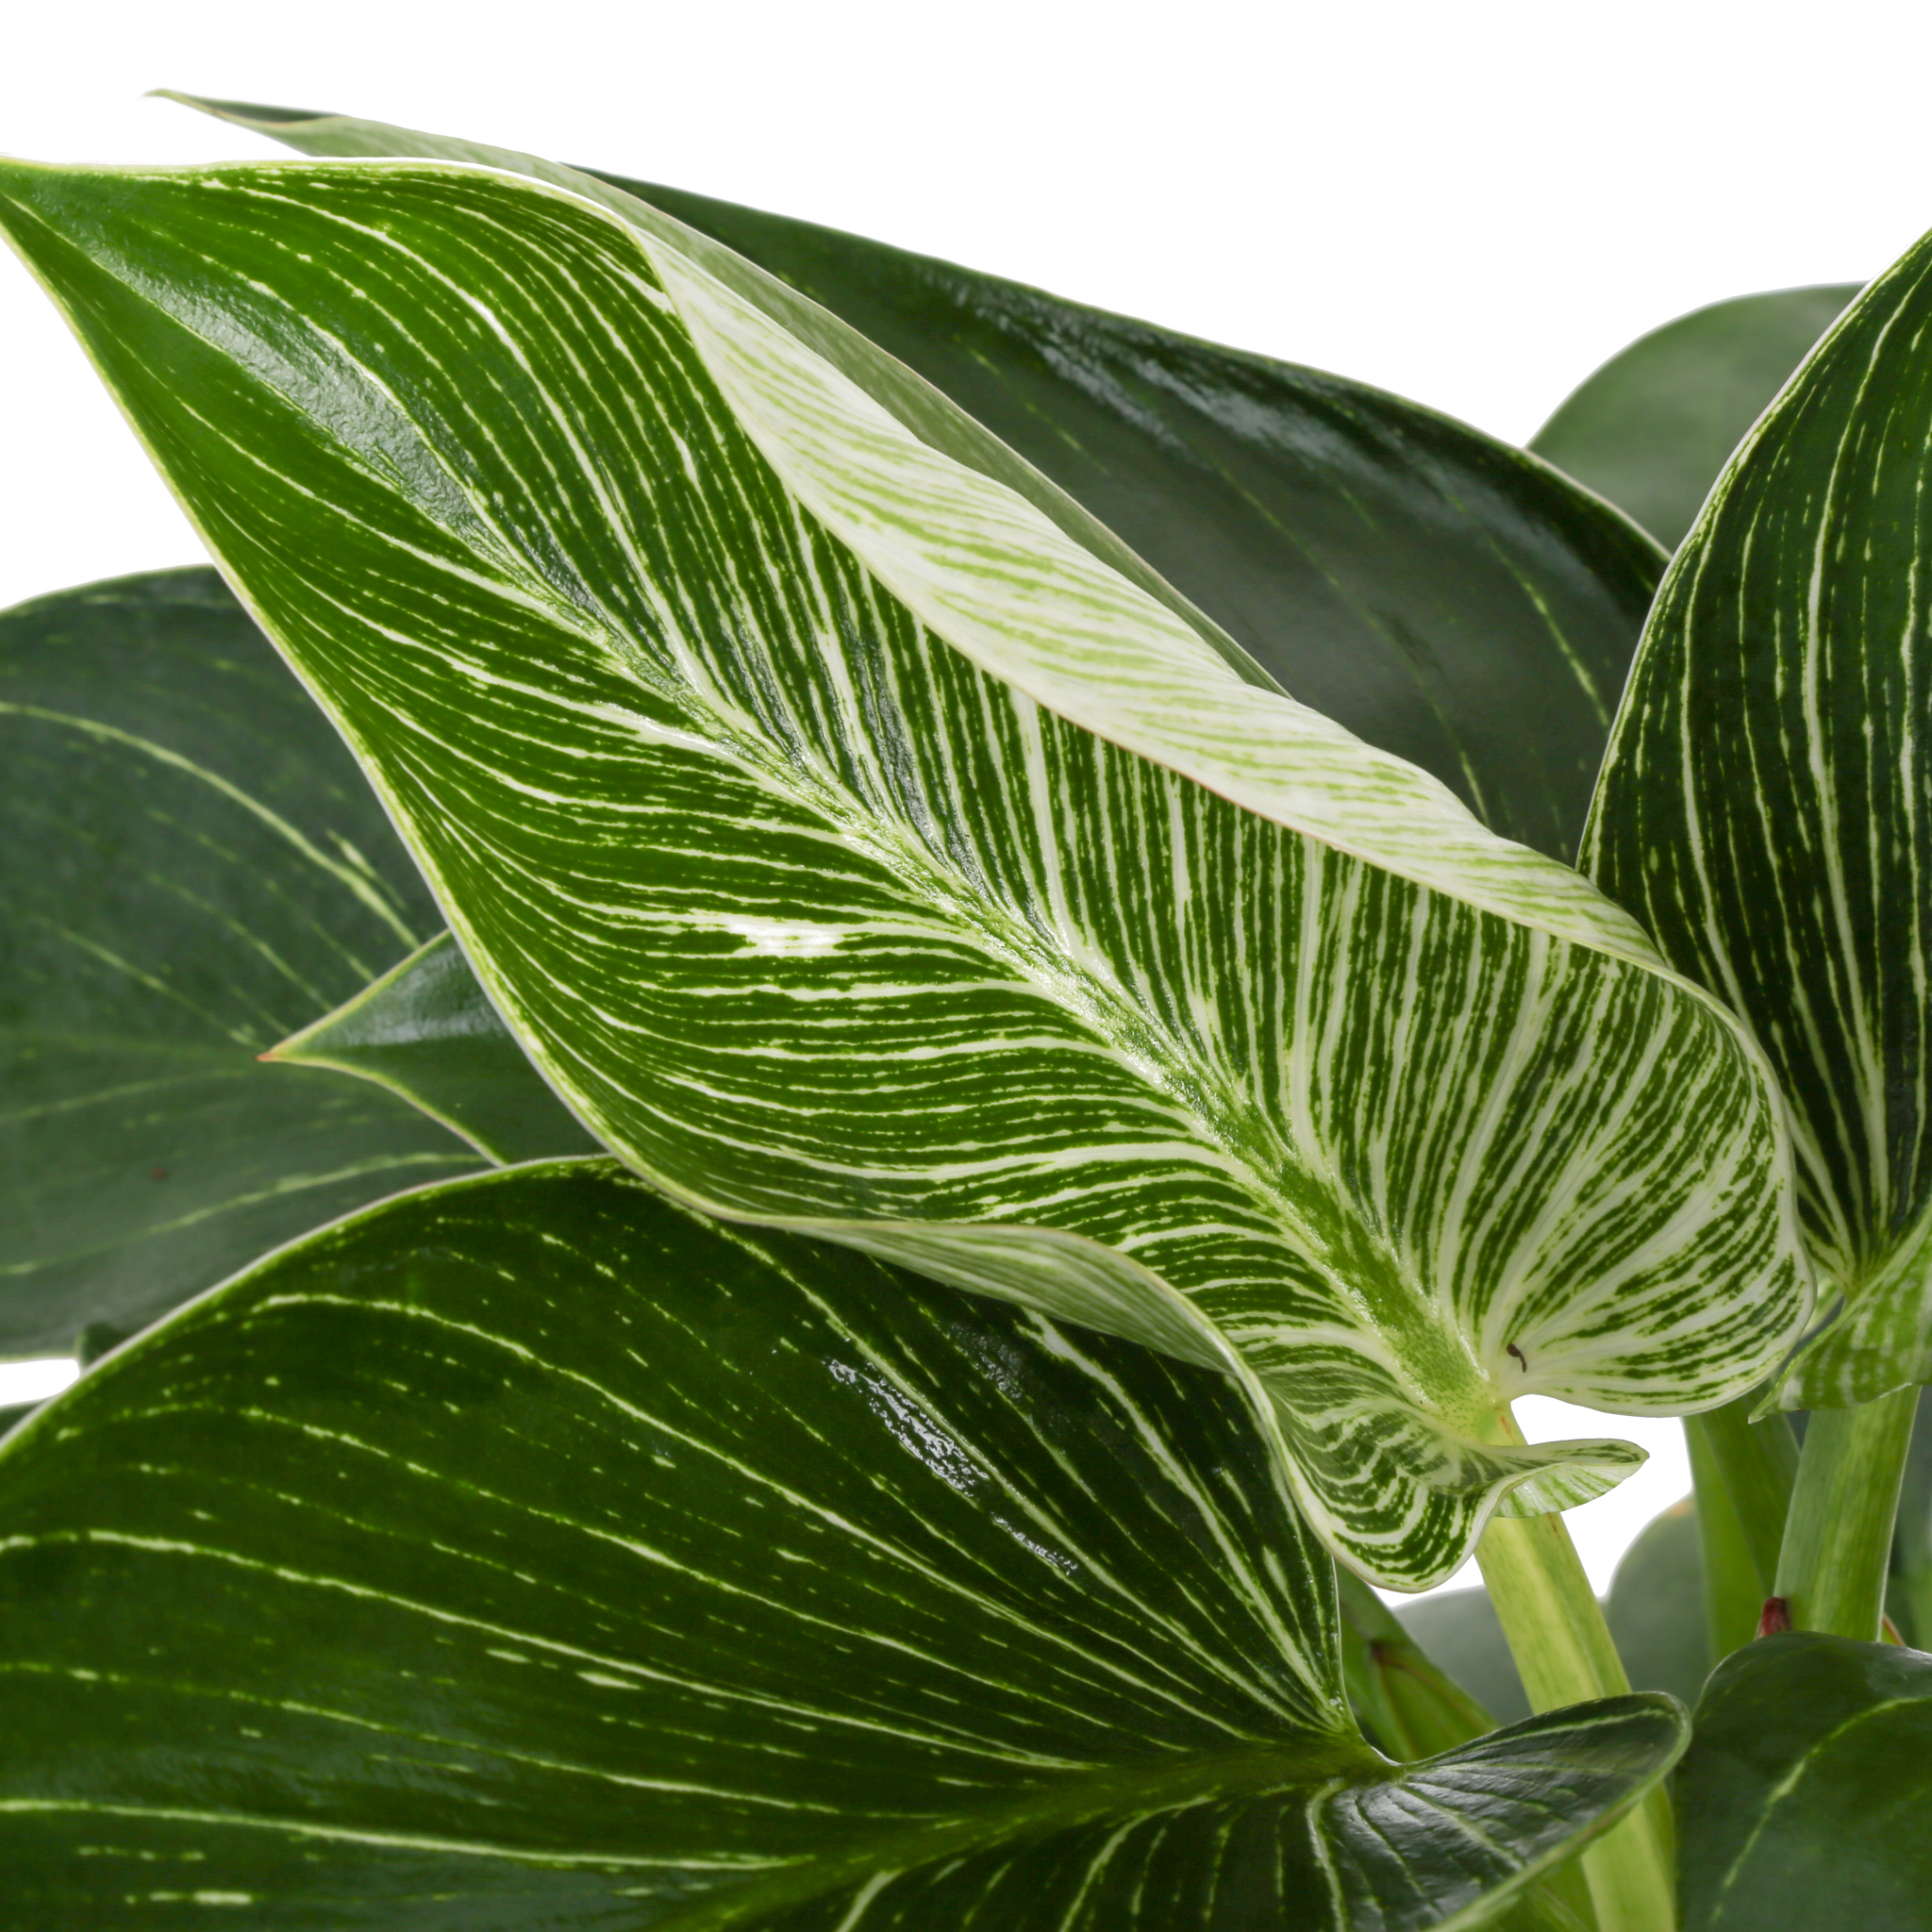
x=534 y=1553
x=1763 y=806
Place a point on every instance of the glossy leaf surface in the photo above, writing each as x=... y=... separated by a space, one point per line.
x=1652 y=429
x=1762 y=809
x=1439 y=593
x=190 y=864
x=426 y=1032
x=596 y=1566
x=854 y=850
x=1801 y=1801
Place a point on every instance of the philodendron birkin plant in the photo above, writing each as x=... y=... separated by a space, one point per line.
x=1008 y=976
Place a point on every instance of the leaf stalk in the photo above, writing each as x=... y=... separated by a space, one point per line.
x=1565 y=1654
x=1744 y=1473
x=1838 y=1541
x=1757 y=1464
x=1410 y=1708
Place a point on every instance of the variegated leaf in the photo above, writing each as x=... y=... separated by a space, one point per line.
x=860 y=851
x=1423 y=584
x=595 y=1567
x=1764 y=805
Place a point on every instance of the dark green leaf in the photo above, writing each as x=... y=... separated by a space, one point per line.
x=15 y=1412
x=1652 y=429
x=190 y=866
x=1763 y=805
x=1803 y=1799
x=426 y=1031
x=596 y=1566
x=1410 y=1708
x=1439 y=593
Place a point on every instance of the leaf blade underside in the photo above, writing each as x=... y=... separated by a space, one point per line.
x=1761 y=806
x=728 y=1582
x=189 y=862
x=820 y=923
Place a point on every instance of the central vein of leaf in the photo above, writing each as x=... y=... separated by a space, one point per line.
x=1298 y=1199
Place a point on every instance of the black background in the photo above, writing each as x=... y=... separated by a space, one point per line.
x=1473 y=215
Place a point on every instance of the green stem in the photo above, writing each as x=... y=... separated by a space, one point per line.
x=1757 y=1463
x=1734 y=1591
x=1562 y=1647
x=1741 y=1474
x=1838 y=1542
x=1913 y=1545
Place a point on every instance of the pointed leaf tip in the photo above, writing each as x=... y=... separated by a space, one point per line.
x=426 y=1031
x=171 y=806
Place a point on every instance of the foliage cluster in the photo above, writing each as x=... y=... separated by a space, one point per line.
x=833 y=1035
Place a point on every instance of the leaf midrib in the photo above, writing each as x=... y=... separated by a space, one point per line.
x=279 y=1189
x=1801 y=1767
x=361 y=884
x=1223 y=1126
x=1092 y=995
